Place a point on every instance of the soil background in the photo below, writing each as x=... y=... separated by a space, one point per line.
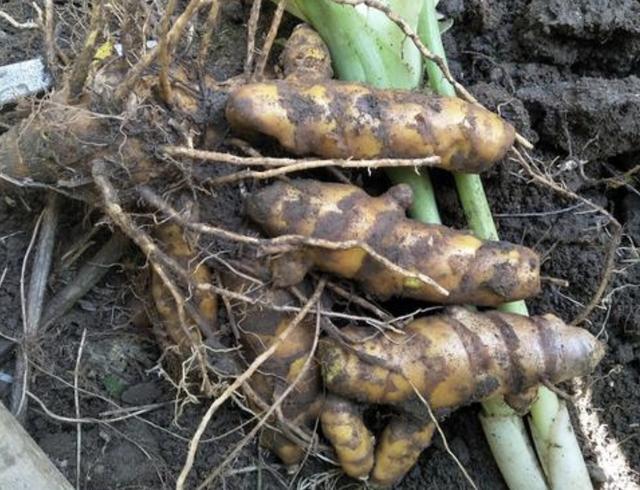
x=563 y=72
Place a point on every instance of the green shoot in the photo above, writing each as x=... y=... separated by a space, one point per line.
x=365 y=46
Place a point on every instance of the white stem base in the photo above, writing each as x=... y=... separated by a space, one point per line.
x=509 y=442
x=559 y=452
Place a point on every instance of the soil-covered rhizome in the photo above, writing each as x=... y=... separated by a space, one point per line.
x=562 y=73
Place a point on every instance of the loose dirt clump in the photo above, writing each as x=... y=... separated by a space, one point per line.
x=584 y=35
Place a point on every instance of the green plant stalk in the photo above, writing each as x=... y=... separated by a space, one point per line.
x=503 y=428
x=470 y=189
x=506 y=432
x=367 y=47
x=556 y=443
x=547 y=410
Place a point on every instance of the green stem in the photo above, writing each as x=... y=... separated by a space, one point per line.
x=478 y=213
x=470 y=189
x=546 y=410
x=367 y=47
x=505 y=431
x=429 y=33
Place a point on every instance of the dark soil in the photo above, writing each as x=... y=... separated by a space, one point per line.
x=562 y=72
x=20 y=43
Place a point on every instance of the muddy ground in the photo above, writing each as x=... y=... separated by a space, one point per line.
x=562 y=72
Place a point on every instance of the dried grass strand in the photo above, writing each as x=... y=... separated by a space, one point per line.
x=205 y=39
x=82 y=64
x=263 y=56
x=76 y=402
x=29 y=24
x=164 y=52
x=312 y=164
x=525 y=161
x=21 y=372
x=49 y=36
x=441 y=432
x=295 y=164
x=252 y=28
